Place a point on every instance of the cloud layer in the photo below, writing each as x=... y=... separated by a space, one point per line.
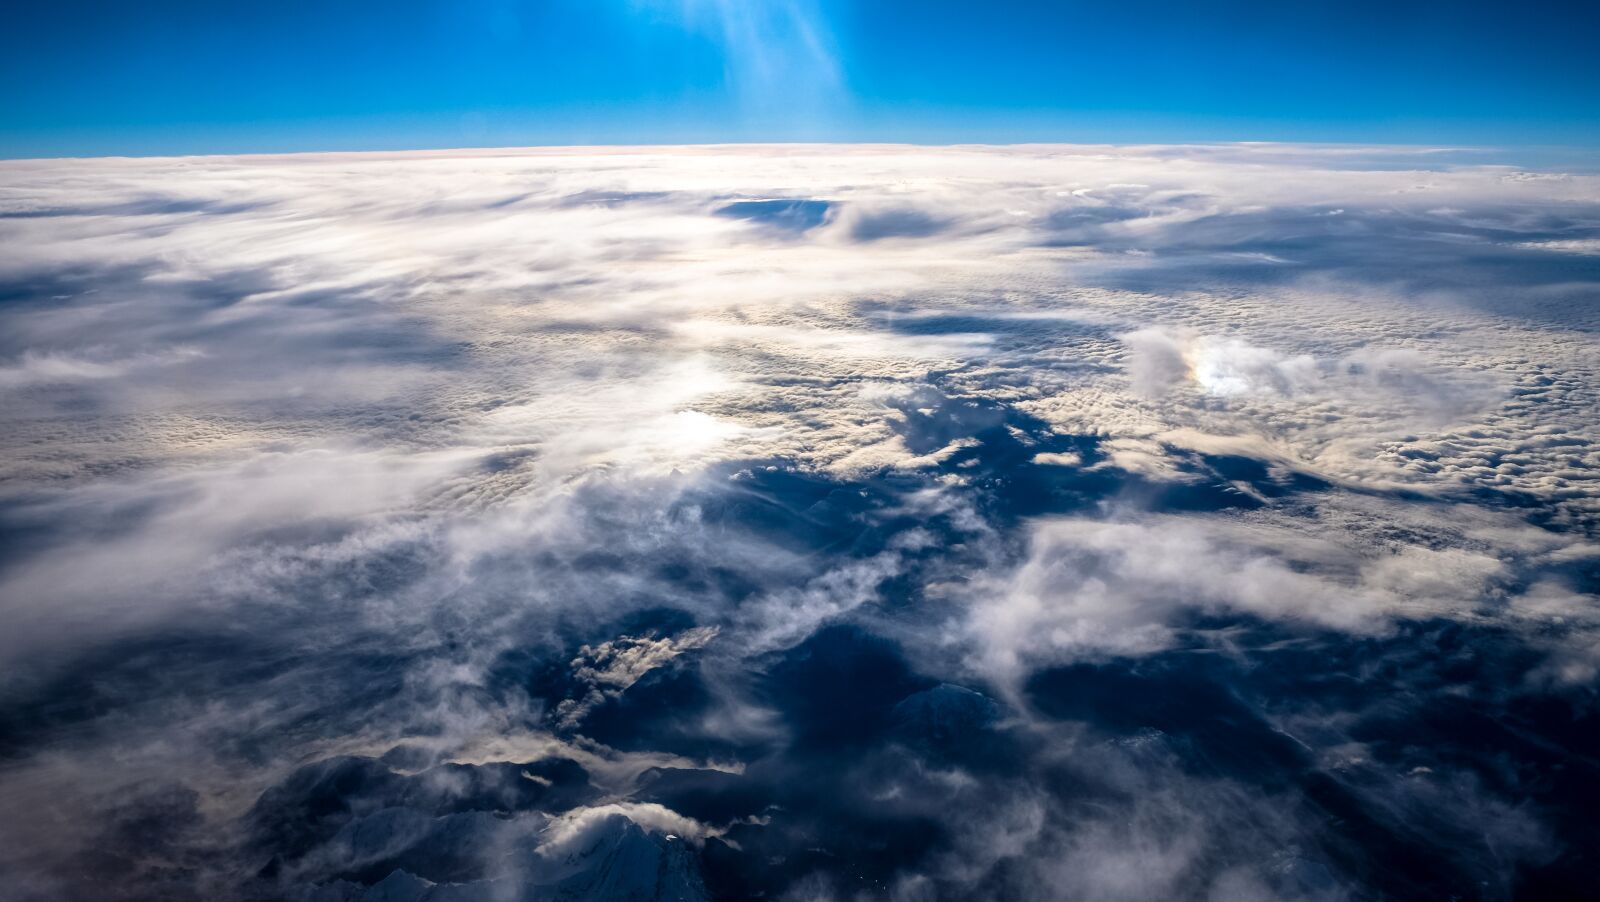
x=815 y=522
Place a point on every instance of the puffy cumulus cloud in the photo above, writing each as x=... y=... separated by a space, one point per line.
x=769 y=521
x=1161 y=362
x=1093 y=589
x=1129 y=581
x=1219 y=366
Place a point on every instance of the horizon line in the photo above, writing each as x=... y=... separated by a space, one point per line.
x=488 y=149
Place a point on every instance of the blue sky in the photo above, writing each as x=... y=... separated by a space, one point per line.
x=174 y=76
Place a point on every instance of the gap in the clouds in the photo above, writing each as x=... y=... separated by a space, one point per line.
x=146 y=206
x=1017 y=466
x=859 y=715
x=1388 y=739
x=792 y=215
x=448 y=809
x=152 y=675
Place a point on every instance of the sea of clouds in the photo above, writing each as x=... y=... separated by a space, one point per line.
x=805 y=522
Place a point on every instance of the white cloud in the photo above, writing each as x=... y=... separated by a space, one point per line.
x=445 y=409
x=569 y=833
